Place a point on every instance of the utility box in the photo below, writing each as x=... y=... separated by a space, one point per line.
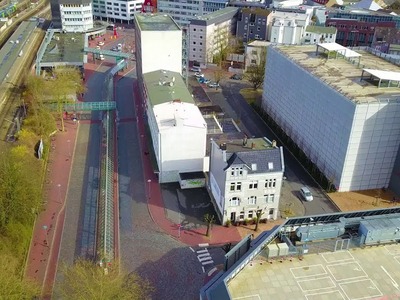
x=283 y=249
x=272 y=250
x=379 y=231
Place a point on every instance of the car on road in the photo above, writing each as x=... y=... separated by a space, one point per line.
x=213 y=85
x=101 y=57
x=98 y=47
x=100 y=43
x=199 y=75
x=203 y=80
x=114 y=49
x=119 y=47
x=306 y=194
x=236 y=77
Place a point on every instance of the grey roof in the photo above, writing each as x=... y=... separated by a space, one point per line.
x=216 y=17
x=165 y=86
x=155 y=22
x=259 y=151
x=74 y=1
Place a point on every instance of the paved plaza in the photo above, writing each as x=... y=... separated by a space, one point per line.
x=369 y=273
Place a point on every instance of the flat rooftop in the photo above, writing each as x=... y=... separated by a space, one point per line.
x=343 y=75
x=165 y=86
x=369 y=273
x=156 y=22
x=251 y=144
x=16 y=43
x=64 y=48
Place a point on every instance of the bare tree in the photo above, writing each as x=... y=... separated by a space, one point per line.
x=259 y=214
x=256 y=73
x=209 y=219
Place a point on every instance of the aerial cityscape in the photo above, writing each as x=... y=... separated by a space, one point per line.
x=212 y=150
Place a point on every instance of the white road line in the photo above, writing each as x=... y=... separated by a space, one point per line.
x=204 y=258
x=202 y=251
x=203 y=255
x=394 y=283
x=191 y=249
x=250 y=296
x=203 y=269
x=211 y=271
x=207 y=262
x=324 y=293
x=205 y=245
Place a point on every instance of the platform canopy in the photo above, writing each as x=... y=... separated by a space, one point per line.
x=346 y=52
x=389 y=76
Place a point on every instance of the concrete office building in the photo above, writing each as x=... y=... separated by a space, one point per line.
x=245 y=177
x=342 y=110
x=252 y=24
x=158 y=43
x=183 y=11
x=208 y=33
x=116 y=10
x=178 y=129
x=72 y=15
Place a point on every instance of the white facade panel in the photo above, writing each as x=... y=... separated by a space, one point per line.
x=354 y=145
x=76 y=17
x=161 y=50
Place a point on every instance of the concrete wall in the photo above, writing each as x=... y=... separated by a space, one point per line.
x=161 y=50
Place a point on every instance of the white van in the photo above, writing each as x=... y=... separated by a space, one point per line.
x=306 y=194
x=119 y=47
x=101 y=57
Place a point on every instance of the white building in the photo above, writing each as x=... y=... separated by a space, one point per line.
x=116 y=10
x=76 y=17
x=178 y=130
x=319 y=34
x=245 y=177
x=255 y=51
x=182 y=11
x=346 y=123
x=288 y=27
x=207 y=34
x=158 y=43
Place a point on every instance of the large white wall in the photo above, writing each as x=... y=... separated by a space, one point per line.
x=354 y=145
x=161 y=50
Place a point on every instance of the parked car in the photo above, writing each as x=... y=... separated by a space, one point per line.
x=199 y=75
x=98 y=47
x=213 y=85
x=114 y=49
x=101 y=57
x=306 y=194
x=236 y=77
x=195 y=69
x=119 y=47
x=100 y=43
x=203 y=80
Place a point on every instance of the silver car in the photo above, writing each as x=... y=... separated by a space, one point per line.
x=306 y=194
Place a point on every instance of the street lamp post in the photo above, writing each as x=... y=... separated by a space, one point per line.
x=148 y=188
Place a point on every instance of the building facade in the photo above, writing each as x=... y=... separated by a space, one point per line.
x=344 y=122
x=255 y=52
x=245 y=178
x=178 y=129
x=210 y=33
x=288 y=27
x=252 y=24
x=182 y=11
x=153 y=30
x=76 y=17
x=318 y=34
x=116 y=10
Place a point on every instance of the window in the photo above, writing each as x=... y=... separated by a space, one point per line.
x=270 y=183
x=254 y=52
x=234 y=201
x=250 y=214
x=241 y=215
x=237 y=171
x=269 y=198
x=252 y=200
x=258 y=28
x=271 y=211
x=194 y=29
x=201 y=36
x=254 y=62
x=194 y=49
x=236 y=186
x=194 y=43
x=253 y=185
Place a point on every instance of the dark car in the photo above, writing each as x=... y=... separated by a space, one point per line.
x=236 y=77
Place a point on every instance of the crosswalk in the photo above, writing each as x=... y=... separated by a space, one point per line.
x=204 y=256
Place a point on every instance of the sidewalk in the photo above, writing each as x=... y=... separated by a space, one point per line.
x=45 y=244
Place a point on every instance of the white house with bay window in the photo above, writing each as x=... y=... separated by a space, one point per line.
x=245 y=177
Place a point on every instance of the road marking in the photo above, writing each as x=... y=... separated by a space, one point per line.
x=191 y=249
x=207 y=262
x=205 y=245
x=202 y=251
x=203 y=269
x=211 y=271
x=203 y=255
x=250 y=296
x=204 y=258
x=308 y=271
x=309 y=285
x=394 y=283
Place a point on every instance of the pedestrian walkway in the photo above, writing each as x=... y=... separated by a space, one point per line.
x=45 y=244
x=192 y=237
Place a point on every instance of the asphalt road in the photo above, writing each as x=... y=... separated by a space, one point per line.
x=171 y=267
x=294 y=172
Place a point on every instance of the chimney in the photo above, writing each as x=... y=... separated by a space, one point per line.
x=273 y=143
x=253 y=145
x=245 y=140
x=223 y=146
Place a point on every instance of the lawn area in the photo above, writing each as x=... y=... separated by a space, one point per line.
x=252 y=96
